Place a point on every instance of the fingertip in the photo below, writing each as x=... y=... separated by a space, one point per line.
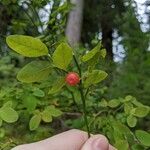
x=97 y=142
x=83 y=136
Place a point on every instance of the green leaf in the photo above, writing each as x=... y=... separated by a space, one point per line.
x=94 y=77
x=121 y=131
x=8 y=114
x=91 y=53
x=39 y=93
x=136 y=103
x=78 y=123
x=141 y=111
x=1 y=122
x=34 y=72
x=103 y=53
x=128 y=107
x=103 y=103
x=62 y=56
x=92 y=62
x=128 y=98
x=143 y=137
x=57 y=86
x=30 y=102
x=8 y=104
x=46 y=116
x=137 y=147
x=35 y=122
x=53 y=111
x=122 y=145
x=2 y=133
x=26 y=45
x=117 y=135
x=131 y=120
x=113 y=103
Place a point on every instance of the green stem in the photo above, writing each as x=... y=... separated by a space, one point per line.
x=86 y=93
x=79 y=69
x=84 y=108
x=73 y=98
x=82 y=97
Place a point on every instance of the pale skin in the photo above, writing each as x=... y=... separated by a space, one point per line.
x=70 y=140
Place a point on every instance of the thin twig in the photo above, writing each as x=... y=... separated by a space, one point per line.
x=99 y=113
x=72 y=114
x=82 y=97
x=73 y=98
x=30 y=19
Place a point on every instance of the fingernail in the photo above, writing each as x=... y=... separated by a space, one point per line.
x=97 y=143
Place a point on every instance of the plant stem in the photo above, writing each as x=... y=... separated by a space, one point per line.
x=30 y=17
x=84 y=108
x=79 y=69
x=86 y=93
x=82 y=97
x=73 y=98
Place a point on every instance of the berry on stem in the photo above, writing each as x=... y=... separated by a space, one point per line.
x=72 y=78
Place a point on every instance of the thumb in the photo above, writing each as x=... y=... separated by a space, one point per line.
x=69 y=140
x=97 y=142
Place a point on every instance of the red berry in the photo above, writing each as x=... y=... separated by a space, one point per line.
x=72 y=78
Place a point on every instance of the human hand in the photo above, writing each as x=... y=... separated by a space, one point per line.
x=70 y=140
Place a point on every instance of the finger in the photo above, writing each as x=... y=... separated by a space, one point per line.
x=97 y=142
x=70 y=140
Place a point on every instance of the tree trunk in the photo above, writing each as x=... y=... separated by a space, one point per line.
x=74 y=24
x=107 y=39
x=5 y=18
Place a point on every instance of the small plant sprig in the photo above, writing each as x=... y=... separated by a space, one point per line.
x=60 y=60
x=73 y=79
x=77 y=74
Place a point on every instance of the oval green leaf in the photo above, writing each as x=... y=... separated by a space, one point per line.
x=91 y=53
x=122 y=145
x=38 y=92
x=62 y=56
x=95 y=77
x=113 y=103
x=128 y=98
x=53 y=111
x=35 y=122
x=131 y=120
x=128 y=107
x=8 y=114
x=141 y=111
x=103 y=103
x=26 y=45
x=143 y=137
x=34 y=72
x=46 y=116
